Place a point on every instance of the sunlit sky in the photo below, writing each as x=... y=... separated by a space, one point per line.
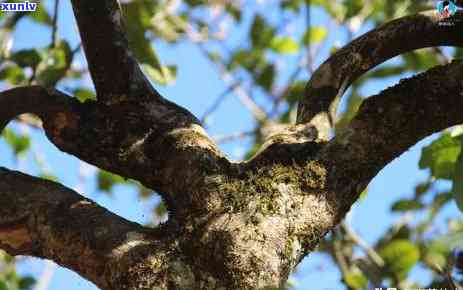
x=197 y=86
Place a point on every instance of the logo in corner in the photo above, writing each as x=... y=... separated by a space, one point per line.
x=446 y=9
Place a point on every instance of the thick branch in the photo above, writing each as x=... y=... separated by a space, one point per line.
x=152 y=142
x=46 y=103
x=114 y=70
x=335 y=75
x=138 y=134
x=391 y=122
x=44 y=219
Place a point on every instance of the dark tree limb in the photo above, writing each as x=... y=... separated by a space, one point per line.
x=335 y=75
x=113 y=67
x=155 y=143
x=132 y=130
x=389 y=123
x=45 y=103
x=47 y=220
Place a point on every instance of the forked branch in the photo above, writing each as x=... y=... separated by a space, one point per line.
x=152 y=142
x=389 y=123
x=399 y=36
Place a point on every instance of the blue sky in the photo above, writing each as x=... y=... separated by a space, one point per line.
x=368 y=217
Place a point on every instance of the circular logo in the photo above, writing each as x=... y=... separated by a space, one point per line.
x=446 y=8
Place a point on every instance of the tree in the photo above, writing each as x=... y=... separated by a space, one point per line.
x=232 y=225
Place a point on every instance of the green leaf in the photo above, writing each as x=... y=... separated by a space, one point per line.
x=314 y=35
x=285 y=117
x=83 y=94
x=295 y=92
x=26 y=282
x=165 y=76
x=457 y=188
x=422 y=188
x=420 y=60
x=41 y=15
x=406 y=205
x=400 y=256
x=55 y=63
x=170 y=27
x=335 y=8
x=49 y=177
x=3 y=285
x=356 y=280
x=252 y=60
x=26 y=58
x=353 y=7
x=266 y=78
x=440 y=199
x=395 y=232
x=195 y=2
x=106 y=180
x=436 y=252
x=234 y=10
x=353 y=104
x=363 y=194
x=19 y=143
x=284 y=45
x=440 y=156
x=13 y=74
x=294 y=5
x=137 y=14
x=261 y=32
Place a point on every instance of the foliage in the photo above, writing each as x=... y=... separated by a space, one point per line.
x=9 y=279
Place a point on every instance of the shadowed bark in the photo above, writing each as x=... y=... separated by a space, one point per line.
x=335 y=75
x=114 y=70
x=231 y=225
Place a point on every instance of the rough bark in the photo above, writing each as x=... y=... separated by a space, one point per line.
x=231 y=225
x=114 y=70
x=334 y=76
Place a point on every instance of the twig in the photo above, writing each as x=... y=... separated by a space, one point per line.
x=229 y=80
x=371 y=253
x=229 y=138
x=292 y=78
x=335 y=75
x=339 y=256
x=240 y=92
x=441 y=57
x=55 y=24
x=47 y=274
x=218 y=101
x=308 y=25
